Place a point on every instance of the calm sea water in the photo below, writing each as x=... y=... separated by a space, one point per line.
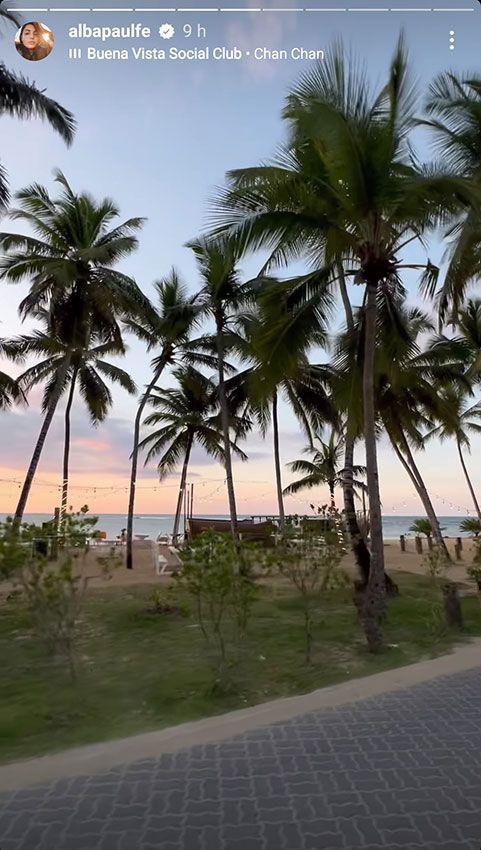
x=154 y=524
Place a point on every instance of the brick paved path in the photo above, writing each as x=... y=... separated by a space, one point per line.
x=398 y=771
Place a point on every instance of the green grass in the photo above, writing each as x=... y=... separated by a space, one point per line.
x=139 y=672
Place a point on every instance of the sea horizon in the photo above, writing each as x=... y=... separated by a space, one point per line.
x=151 y=525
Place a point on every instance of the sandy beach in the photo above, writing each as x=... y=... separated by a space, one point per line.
x=144 y=563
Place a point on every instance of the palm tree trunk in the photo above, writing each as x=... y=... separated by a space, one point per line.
x=359 y=548
x=468 y=480
x=66 y=450
x=183 y=478
x=277 y=462
x=54 y=399
x=374 y=601
x=332 y=494
x=224 y=413
x=412 y=470
x=135 y=457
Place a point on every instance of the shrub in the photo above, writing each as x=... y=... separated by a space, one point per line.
x=217 y=575
x=423 y=526
x=309 y=558
x=48 y=581
x=471 y=525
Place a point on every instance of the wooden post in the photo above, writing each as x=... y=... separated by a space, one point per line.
x=402 y=541
x=459 y=541
x=457 y=551
x=419 y=545
x=430 y=543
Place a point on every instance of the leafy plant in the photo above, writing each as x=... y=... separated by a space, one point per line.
x=217 y=575
x=422 y=526
x=49 y=583
x=471 y=525
x=474 y=570
x=167 y=601
x=436 y=566
x=309 y=558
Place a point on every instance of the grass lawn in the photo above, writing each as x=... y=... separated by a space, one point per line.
x=139 y=672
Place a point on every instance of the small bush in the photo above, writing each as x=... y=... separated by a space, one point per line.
x=217 y=575
x=471 y=525
x=47 y=579
x=309 y=558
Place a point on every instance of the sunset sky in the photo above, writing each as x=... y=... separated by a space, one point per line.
x=158 y=137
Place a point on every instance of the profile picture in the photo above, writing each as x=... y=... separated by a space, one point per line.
x=34 y=41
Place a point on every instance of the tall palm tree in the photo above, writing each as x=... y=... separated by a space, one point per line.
x=408 y=382
x=222 y=294
x=468 y=330
x=166 y=326
x=70 y=262
x=22 y=99
x=459 y=421
x=87 y=369
x=324 y=468
x=453 y=106
x=346 y=190
x=9 y=391
x=183 y=416
x=274 y=338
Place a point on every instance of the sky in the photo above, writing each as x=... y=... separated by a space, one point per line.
x=158 y=137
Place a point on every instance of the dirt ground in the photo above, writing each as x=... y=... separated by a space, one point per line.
x=144 y=562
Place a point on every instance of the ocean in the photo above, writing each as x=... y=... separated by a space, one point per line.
x=153 y=524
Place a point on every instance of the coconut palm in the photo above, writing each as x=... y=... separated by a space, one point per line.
x=324 y=468
x=9 y=391
x=408 y=382
x=167 y=326
x=70 y=263
x=459 y=422
x=471 y=525
x=274 y=338
x=453 y=107
x=22 y=99
x=183 y=416
x=346 y=190
x=222 y=294
x=423 y=526
x=87 y=369
x=468 y=331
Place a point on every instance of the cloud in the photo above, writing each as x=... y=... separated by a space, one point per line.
x=261 y=29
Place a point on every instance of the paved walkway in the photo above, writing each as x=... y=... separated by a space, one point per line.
x=399 y=770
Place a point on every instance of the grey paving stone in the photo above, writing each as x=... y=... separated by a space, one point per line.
x=400 y=771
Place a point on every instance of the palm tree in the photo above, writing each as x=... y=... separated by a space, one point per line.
x=168 y=327
x=468 y=327
x=407 y=382
x=275 y=338
x=22 y=99
x=453 y=107
x=70 y=262
x=458 y=422
x=345 y=191
x=87 y=369
x=222 y=294
x=9 y=391
x=324 y=468
x=423 y=526
x=186 y=415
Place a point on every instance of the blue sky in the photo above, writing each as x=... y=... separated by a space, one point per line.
x=158 y=137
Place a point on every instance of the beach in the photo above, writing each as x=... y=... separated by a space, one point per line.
x=144 y=563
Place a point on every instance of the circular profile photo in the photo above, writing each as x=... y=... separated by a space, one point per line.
x=34 y=41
